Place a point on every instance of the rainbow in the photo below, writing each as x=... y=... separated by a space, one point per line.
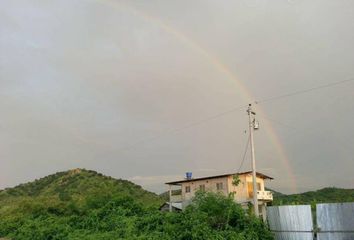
x=220 y=66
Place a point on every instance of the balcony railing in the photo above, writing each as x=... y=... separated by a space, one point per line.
x=265 y=195
x=176 y=198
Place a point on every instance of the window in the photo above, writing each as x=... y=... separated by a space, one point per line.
x=202 y=187
x=188 y=189
x=250 y=188
x=219 y=186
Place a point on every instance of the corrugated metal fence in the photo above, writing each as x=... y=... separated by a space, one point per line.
x=291 y=222
x=333 y=222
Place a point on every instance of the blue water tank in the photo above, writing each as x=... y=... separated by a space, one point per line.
x=188 y=175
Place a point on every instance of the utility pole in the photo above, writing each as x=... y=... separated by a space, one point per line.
x=252 y=127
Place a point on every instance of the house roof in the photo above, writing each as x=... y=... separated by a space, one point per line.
x=260 y=175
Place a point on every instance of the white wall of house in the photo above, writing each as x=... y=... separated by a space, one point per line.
x=242 y=191
x=209 y=185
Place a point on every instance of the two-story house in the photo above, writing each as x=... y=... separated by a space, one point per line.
x=243 y=192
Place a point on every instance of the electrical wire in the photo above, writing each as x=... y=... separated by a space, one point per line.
x=244 y=155
x=177 y=130
x=278 y=122
x=304 y=91
x=265 y=100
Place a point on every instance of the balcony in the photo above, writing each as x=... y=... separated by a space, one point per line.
x=176 y=198
x=266 y=196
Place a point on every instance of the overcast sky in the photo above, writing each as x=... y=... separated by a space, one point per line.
x=131 y=88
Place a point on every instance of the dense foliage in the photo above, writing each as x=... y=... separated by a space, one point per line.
x=45 y=210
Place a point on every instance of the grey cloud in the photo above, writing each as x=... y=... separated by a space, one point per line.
x=95 y=85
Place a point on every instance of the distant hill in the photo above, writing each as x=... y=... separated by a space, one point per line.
x=275 y=193
x=77 y=185
x=325 y=195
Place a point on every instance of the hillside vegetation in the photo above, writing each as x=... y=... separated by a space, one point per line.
x=77 y=185
x=81 y=204
x=325 y=195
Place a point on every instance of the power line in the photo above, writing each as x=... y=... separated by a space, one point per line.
x=199 y=122
x=244 y=155
x=304 y=91
x=177 y=130
x=278 y=122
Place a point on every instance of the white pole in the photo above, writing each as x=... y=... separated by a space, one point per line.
x=254 y=174
x=170 y=195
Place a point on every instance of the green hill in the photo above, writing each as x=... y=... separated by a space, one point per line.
x=77 y=185
x=275 y=193
x=325 y=195
x=47 y=206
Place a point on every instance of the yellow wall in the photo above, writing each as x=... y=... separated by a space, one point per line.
x=242 y=191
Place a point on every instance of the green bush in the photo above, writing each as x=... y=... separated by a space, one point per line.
x=210 y=216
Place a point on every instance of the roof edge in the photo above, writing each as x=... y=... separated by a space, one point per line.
x=261 y=175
